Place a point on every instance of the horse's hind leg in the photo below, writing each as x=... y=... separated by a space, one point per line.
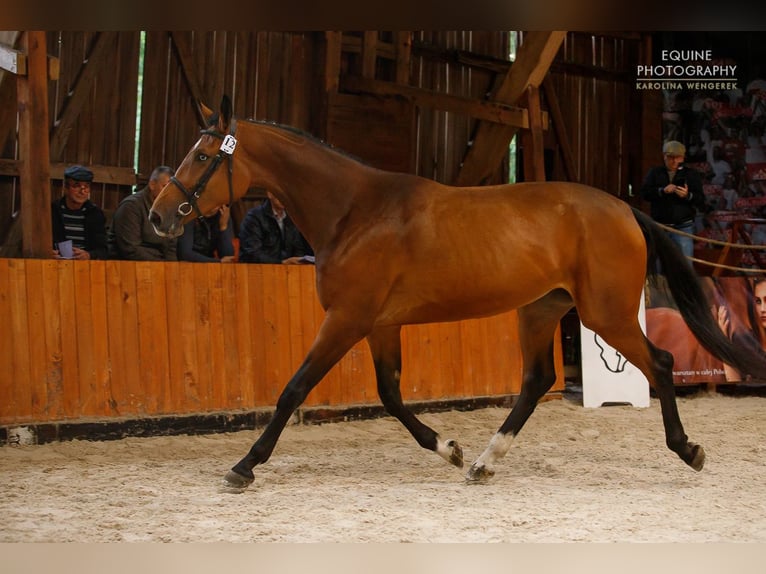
x=385 y=345
x=537 y=326
x=657 y=366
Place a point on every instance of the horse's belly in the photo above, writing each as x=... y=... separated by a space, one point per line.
x=456 y=302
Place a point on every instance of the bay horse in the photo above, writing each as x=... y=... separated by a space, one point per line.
x=395 y=249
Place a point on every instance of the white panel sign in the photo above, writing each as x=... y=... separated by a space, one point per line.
x=607 y=377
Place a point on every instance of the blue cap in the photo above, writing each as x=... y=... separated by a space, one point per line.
x=78 y=173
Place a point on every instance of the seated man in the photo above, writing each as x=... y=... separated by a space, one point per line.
x=76 y=218
x=268 y=235
x=209 y=239
x=132 y=236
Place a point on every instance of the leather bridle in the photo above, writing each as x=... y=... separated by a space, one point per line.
x=226 y=151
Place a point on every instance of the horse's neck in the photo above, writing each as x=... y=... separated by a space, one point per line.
x=311 y=180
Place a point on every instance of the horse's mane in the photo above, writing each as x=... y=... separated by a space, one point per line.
x=296 y=131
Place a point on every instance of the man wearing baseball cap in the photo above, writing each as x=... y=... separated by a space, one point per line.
x=77 y=219
x=675 y=193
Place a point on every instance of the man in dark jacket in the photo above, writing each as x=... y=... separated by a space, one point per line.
x=675 y=193
x=77 y=219
x=132 y=236
x=268 y=235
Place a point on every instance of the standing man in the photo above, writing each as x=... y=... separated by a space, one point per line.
x=675 y=193
x=76 y=218
x=132 y=236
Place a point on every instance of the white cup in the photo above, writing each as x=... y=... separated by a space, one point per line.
x=65 y=249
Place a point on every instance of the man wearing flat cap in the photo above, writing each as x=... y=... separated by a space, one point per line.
x=78 y=219
x=675 y=193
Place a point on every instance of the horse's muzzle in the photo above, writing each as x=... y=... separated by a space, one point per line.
x=165 y=226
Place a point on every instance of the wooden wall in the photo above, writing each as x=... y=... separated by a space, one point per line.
x=594 y=82
x=117 y=339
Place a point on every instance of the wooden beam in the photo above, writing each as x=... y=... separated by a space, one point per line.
x=101 y=173
x=333 y=44
x=403 y=57
x=491 y=141
x=481 y=109
x=560 y=129
x=36 y=233
x=534 y=159
x=184 y=54
x=81 y=88
x=13 y=61
x=369 y=53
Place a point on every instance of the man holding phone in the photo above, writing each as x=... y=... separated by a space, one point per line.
x=675 y=193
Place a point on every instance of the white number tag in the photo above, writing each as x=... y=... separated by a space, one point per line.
x=229 y=143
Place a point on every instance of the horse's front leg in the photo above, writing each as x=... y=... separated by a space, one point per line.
x=334 y=339
x=385 y=345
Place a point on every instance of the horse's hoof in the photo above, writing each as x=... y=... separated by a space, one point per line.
x=235 y=483
x=478 y=474
x=456 y=458
x=698 y=457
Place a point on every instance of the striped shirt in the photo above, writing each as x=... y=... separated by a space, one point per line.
x=74 y=226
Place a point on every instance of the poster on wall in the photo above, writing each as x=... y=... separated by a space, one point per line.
x=714 y=98
x=737 y=304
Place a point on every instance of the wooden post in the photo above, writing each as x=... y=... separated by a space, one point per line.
x=369 y=53
x=34 y=149
x=534 y=149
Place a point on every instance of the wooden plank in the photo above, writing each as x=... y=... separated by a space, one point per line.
x=101 y=333
x=185 y=388
x=36 y=319
x=85 y=341
x=182 y=50
x=54 y=384
x=32 y=92
x=91 y=66
x=19 y=395
x=284 y=366
x=217 y=340
x=369 y=53
x=8 y=408
x=561 y=129
x=101 y=173
x=534 y=164
x=201 y=313
x=332 y=60
x=70 y=365
x=499 y=113
x=153 y=335
x=236 y=314
x=118 y=358
x=403 y=56
x=491 y=142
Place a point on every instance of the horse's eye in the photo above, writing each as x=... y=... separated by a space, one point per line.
x=202 y=157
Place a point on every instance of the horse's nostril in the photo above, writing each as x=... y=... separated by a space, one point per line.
x=155 y=218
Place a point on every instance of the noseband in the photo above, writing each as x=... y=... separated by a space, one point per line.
x=226 y=151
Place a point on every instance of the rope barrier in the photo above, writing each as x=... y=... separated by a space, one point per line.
x=712 y=241
x=716 y=242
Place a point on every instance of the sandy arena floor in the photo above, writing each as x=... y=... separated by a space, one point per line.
x=573 y=474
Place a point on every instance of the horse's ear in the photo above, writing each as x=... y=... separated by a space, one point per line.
x=205 y=111
x=224 y=119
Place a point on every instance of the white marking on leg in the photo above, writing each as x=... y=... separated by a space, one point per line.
x=444 y=449
x=498 y=447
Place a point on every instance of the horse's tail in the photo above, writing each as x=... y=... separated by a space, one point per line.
x=748 y=358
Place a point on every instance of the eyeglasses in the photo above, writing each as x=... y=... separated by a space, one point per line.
x=79 y=185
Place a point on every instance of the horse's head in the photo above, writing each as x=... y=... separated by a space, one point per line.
x=206 y=178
